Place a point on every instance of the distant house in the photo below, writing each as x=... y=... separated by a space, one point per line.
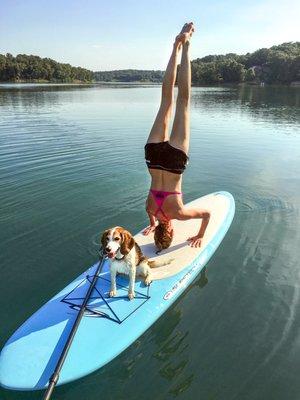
x=260 y=72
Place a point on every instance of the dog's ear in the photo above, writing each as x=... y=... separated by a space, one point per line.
x=103 y=238
x=127 y=242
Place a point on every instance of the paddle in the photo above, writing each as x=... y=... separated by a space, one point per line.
x=55 y=376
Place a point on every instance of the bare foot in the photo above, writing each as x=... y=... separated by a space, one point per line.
x=185 y=34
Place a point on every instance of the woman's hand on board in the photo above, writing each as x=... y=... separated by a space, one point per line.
x=149 y=229
x=195 y=241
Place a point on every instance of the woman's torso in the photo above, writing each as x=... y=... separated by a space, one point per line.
x=166 y=182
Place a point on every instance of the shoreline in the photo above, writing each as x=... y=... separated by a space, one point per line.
x=295 y=84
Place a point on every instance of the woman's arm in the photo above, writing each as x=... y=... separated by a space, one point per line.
x=185 y=214
x=152 y=225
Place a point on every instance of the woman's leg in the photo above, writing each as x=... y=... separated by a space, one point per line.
x=159 y=131
x=180 y=135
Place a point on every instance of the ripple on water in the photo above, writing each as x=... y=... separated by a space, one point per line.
x=250 y=202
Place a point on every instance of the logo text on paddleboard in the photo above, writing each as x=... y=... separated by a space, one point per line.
x=181 y=283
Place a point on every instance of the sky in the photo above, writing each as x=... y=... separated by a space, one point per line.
x=138 y=34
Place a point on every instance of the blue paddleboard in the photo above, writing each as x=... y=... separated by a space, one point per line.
x=109 y=325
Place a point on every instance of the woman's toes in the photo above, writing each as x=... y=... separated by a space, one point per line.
x=185 y=34
x=184 y=27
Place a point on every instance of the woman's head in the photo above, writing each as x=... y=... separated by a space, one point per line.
x=163 y=235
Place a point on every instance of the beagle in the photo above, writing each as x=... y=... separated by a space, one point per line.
x=126 y=257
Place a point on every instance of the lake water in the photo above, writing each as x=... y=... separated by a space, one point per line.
x=71 y=165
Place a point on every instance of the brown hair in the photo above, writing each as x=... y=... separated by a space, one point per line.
x=163 y=236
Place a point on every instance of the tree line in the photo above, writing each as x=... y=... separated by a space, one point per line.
x=277 y=64
x=129 y=75
x=33 y=68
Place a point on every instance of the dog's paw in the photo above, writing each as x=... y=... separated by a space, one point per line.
x=147 y=280
x=131 y=295
x=112 y=293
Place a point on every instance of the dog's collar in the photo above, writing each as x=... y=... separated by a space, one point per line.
x=120 y=259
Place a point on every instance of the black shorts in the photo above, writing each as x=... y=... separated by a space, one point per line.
x=165 y=157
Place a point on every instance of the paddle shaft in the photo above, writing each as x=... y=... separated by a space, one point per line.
x=55 y=376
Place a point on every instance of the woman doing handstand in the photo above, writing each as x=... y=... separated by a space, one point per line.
x=166 y=157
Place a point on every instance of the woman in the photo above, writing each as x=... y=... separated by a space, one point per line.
x=166 y=157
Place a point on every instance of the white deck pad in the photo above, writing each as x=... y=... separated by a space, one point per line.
x=180 y=250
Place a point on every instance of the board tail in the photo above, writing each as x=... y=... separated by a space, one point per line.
x=161 y=263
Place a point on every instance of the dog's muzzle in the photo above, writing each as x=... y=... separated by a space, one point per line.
x=110 y=253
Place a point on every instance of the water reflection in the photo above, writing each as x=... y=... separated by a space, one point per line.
x=173 y=344
x=277 y=104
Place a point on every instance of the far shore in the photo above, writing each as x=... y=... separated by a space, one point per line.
x=139 y=83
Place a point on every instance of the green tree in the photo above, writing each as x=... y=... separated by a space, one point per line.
x=249 y=75
x=232 y=71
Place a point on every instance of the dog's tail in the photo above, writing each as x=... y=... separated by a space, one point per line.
x=159 y=263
